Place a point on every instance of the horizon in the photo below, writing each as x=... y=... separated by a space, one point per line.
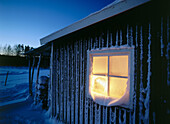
x=26 y=22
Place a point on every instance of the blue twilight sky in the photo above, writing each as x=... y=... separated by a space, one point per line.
x=26 y=21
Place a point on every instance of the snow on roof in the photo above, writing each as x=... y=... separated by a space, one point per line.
x=118 y=6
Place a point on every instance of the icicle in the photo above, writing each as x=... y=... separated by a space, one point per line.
x=131 y=118
x=86 y=111
x=96 y=117
x=97 y=114
x=127 y=35
x=77 y=83
x=161 y=37
x=146 y=103
x=120 y=114
x=131 y=36
x=54 y=82
x=57 y=78
x=107 y=38
x=136 y=36
x=61 y=84
x=141 y=99
x=102 y=40
x=88 y=42
x=91 y=112
x=65 y=83
x=111 y=116
x=120 y=37
x=91 y=102
x=111 y=40
x=141 y=59
x=86 y=99
x=115 y=115
x=72 y=85
x=83 y=71
x=167 y=52
x=51 y=65
x=124 y=116
x=81 y=85
x=95 y=43
x=117 y=40
x=68 y=85
x=135 y=83
x=59 y=81
x=106 y=115
x=99 y=42
x=91 y=42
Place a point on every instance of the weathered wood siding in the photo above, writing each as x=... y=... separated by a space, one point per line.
x=151 y=86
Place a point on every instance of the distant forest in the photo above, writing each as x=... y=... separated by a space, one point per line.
x=14 y=56
x=16 y=50
x=22 y=61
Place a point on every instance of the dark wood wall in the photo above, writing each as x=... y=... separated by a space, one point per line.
x=148 y=33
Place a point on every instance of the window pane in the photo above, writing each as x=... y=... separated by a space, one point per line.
x=118 y=65
x=117 y=86
x=99 y=84
x=100 y=65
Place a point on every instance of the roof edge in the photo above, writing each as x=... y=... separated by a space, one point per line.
x=117 y=7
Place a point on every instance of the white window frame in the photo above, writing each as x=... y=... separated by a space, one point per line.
x=114 y=52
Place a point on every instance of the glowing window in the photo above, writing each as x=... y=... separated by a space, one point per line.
x=110 y=76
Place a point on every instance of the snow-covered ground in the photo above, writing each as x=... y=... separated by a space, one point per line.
x=25 y=113
x=17 y=87
x=15 y=107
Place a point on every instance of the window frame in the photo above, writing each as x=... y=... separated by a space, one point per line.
x=113 y=52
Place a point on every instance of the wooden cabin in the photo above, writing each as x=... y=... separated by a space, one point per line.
x=112 y=66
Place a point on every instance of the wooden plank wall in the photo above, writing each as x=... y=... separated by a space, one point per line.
x=160 y=79
x=71 y=103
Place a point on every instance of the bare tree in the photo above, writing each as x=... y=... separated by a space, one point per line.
x=1 y=50
x=17 y=49
x=7 y=50
x=4 y=49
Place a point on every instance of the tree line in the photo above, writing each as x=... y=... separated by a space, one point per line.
x=16 y=50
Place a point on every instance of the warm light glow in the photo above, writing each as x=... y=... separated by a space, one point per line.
x=118 y=65
x=100 y=65
x=99 y=85
x=117 y=87
x=108 y=79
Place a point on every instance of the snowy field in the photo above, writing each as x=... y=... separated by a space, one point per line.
x=17 y=87
x=14 y=105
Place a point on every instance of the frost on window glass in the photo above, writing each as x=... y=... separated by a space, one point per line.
x=109 y=77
